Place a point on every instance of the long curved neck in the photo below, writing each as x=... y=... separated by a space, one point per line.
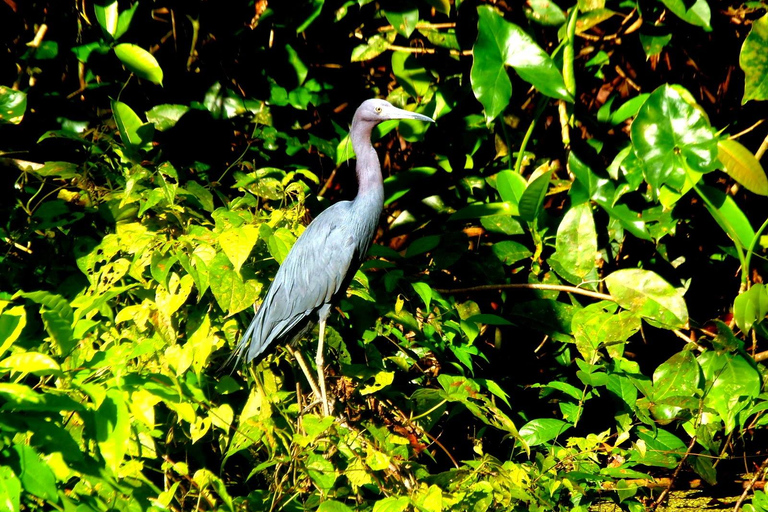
x=369 y=179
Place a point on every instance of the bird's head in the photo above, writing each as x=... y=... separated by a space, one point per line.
x=374 y=111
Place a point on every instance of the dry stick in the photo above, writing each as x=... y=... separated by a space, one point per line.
x=749 y=486
x=665 y=492
x=528 y=286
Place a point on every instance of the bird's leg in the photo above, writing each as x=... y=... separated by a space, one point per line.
x=321 y=366
x=305 y=368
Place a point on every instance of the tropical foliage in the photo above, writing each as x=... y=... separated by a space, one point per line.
x=564 y=305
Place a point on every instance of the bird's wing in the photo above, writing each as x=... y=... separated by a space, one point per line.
x=315 y=270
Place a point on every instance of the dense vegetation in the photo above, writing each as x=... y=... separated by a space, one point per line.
x=564 y=304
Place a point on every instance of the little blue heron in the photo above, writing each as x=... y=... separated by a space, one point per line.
x=322 y=262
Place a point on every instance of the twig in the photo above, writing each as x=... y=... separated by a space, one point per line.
x=750 y=485
x=762 y=149
x=747 y=130
x=528 y=286
x=665 y=492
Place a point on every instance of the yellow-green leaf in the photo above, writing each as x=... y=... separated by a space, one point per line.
x=140 y=62
x=741 y=165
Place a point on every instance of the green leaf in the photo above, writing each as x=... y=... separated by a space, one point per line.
x=679 y=376
x=165 y=116
x=113 y=428
x=12 y=322
x=36 y=476
x=375 y=46
x=576 y=242
x=392 y=504
x=660 y=448
x=410 y=74
x=731 y=380
x=124 y=20
x=533 y=197
x=10 y=490
x=404 y=21
x=648 y=295
x=654 y=44
x=698 y=14
x=237 y=243
x=510 y=186
x=333 y=506
x=729 y=216
x=750 y=307
x=321 y=471
x=501 y=43
x=311 y=9
x=741 y=165
x=510 y=252
x=132 y=130
x=424 y=291
x=545 y=12
x=474 y=211
x=543 y=430
x=599 y=326
x=753 y=60
x=231 y=292
x=140 y=62
x=280 y=243
x=13 y=104
x=106 y=16
x=30 y=362
x=669 y=135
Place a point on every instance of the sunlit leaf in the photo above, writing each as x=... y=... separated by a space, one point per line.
x=697 y=14
x=750 y=307
x=576 y=242
x=533 y=198
x=404 y=21
x=106 y=15
x=140 y=62
x=13 y=104
x=741 y=165
x=543 y=430
x=647 y=294
x=731 y=380
x=753 y=60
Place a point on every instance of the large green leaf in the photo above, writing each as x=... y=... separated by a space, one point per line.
x=741 y=165
x=599 y=326
x=753 y=60
x=729 y=216
x=13 y=104
x=501 y=43
x=648 y=295
x=660 y=448
x=410 y=74
x=576 y=242
x=731 y=380
x=670 y=135
x=404 y=21
x=232 y=293
x=533 y=198
x=543 y=430
x=697 y=14
x=750 y=307
x=237 y=243
x=113 y=428
x=36 y=477
x=133 y=131
x=107 y=15
x=140 y=62
x=679 y=376
x=10 y=490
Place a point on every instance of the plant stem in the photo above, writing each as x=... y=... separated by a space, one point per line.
x=521 y=152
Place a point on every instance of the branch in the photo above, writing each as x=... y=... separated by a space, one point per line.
x=528 y=286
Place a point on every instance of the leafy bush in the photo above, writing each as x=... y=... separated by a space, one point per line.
x=565 y=301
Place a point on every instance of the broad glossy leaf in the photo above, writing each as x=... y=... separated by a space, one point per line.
x=280 y=243
x=165 y=116
x=510 y=252
x=124 y=20
x=237 y=243
x=533 y=198
x=697 y=14
x=132 y=130
x=113 y=428
x=107 y=14
x=732 y=380
x=669 y=135
x=231 y=292
x=392 y=504
x=730 y=217
x=543 y=430
x=410 y=74
x=13 y=104
x=501 y=43
x=36 y=476
x=424 y=291
x=660 y=448
x=645 y=293
x=576 y=242
x=599 y=326
x=140 y=62
x=30 y=362
x=753 y=60
x=750 y=307
x=321 y=471
x=510 y=185
x=403 y=21
x=10 y=490
x=678 y=375
x=741 y=165
x=545 y=12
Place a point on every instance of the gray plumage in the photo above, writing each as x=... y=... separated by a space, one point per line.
x=322 y=262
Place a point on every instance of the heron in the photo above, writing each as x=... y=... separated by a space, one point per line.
x=321 y=264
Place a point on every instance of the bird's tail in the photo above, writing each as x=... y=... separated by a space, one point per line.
x=236 y=357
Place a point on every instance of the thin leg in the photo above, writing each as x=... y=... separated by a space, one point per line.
x=321 y=367
x=305 y=368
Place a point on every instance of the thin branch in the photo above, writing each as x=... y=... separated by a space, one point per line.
x=750 y=485
x=665 y=492
x=527 y=286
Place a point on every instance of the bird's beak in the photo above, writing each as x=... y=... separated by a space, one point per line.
x=399 y=113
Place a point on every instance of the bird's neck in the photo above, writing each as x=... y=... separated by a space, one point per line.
x=369 y=179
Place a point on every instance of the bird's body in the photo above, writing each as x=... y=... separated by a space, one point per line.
x=322 y=262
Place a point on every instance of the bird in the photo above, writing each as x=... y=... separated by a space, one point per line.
x=323 y=260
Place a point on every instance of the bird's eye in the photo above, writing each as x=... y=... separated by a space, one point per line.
x=377 y=110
